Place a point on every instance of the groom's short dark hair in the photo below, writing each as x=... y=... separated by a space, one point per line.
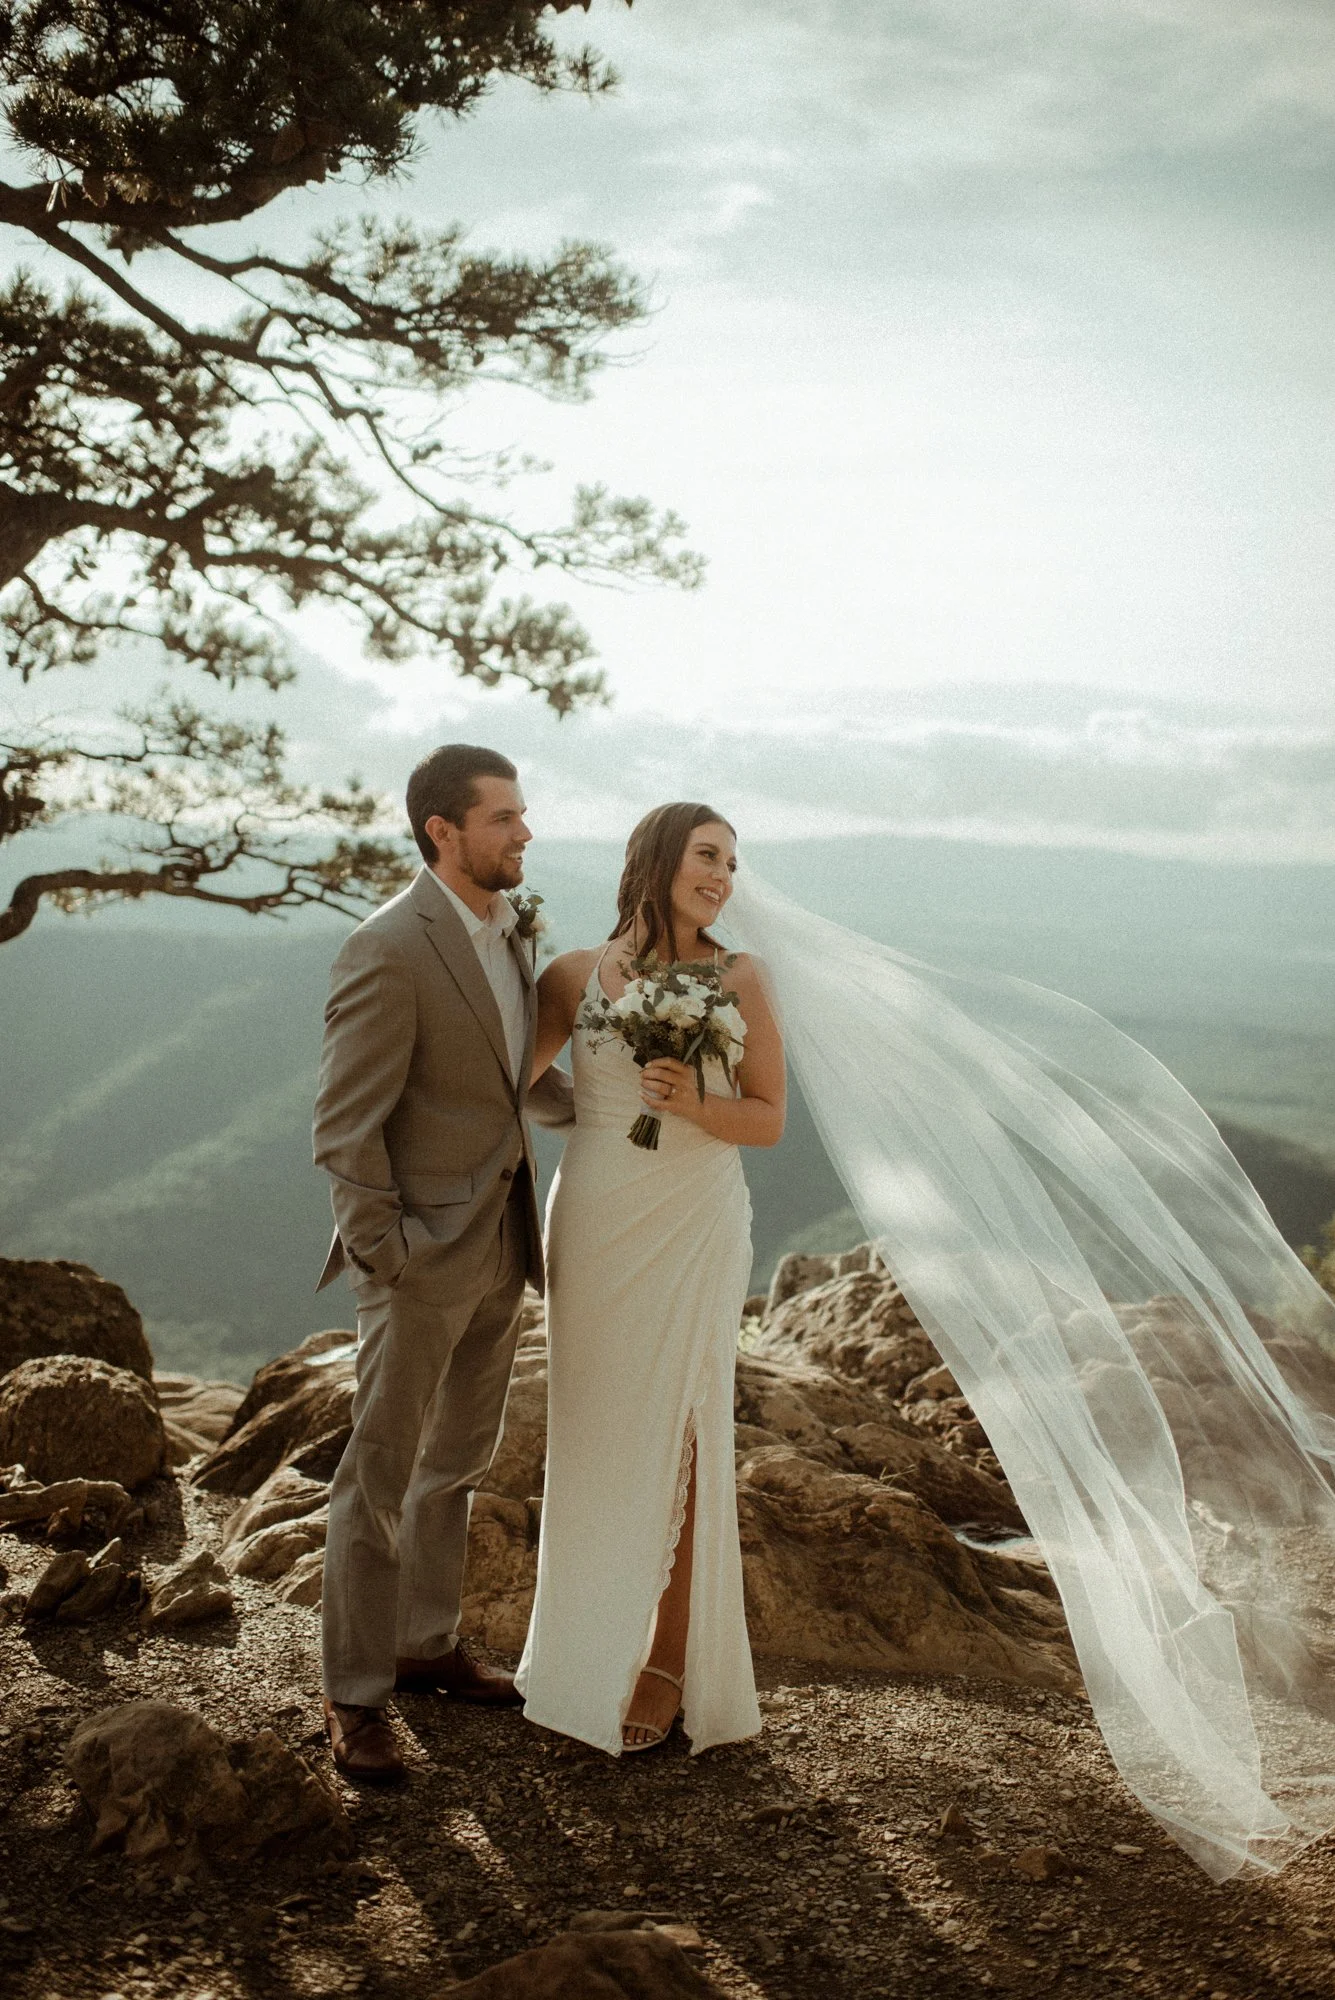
x=444 y=783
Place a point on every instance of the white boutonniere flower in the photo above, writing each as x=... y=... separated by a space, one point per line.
x=532 y=926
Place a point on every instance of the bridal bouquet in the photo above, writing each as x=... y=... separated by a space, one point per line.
x=680 y=1010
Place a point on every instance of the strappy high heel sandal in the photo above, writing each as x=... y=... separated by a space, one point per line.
x=653 y=1735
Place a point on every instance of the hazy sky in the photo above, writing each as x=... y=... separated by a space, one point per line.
x=994 y=343
x=993 y=347
x=991 y=355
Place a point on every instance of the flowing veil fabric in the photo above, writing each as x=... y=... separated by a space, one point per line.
x=1154 y=1367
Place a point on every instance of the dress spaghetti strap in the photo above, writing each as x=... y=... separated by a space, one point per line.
x=594 y=980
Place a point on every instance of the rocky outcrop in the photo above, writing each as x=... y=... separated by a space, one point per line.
x=842 y=1569
x=600 y=1965
x=196 y=1415
x=848 y=1507
x=801 y=1271
x=299 y=1404
x=836 y=1421
x=165 y=1787
x=63 y=1416
x=856 y=1323
x=61 y=1308
x=298 y=1412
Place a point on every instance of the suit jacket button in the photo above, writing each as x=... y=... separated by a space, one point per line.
x=507 y=1173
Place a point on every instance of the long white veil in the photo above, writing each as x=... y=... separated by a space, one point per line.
x=1154 y=1367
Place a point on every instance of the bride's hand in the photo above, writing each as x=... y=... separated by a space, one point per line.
x=669 y=1089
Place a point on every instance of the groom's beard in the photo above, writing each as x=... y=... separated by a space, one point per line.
x=496 y=872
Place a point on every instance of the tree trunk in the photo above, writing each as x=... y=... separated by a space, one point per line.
x=28 y=521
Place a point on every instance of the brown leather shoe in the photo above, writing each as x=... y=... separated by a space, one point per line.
x=460 y=1675
x=363 y=1744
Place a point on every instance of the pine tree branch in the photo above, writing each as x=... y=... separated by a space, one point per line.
x=27 y=207
x=299 y=888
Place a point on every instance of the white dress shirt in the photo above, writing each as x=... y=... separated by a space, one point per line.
x=491 y=942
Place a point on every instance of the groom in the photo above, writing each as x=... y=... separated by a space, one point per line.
x=420 y=1124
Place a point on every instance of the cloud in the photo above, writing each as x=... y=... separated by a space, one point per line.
x=946 y=83
x=1049 y=766
x=992 y=344
x=1026 y=765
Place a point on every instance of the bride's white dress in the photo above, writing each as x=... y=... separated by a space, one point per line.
x=649 y=1258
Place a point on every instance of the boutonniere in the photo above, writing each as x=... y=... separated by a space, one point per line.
x=532 y=926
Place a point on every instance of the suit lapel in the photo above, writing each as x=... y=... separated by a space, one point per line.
x=454 y=948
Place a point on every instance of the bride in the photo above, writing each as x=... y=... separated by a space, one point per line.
x=639 y=1601
x=1152 y=1363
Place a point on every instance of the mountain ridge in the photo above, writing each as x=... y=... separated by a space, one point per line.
x=155 y=1098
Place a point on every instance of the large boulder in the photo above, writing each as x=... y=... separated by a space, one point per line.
x=56 y=1307
x=164 y=1786
x=846 y=1554
x=850 y=1571
x=148 y=1772
x=65 y=1417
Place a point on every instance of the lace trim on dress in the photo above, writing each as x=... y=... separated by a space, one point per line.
x=677 y=1519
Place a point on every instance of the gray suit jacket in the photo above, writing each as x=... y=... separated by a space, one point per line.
x=417 y=1120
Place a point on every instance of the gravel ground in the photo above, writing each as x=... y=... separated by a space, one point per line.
x=810 y=1861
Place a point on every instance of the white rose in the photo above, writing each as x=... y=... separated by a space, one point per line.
x=730 y=1019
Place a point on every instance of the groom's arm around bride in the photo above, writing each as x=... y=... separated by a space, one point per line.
x=421 y=1124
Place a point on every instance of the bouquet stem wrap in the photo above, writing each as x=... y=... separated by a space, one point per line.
x=644 y=1132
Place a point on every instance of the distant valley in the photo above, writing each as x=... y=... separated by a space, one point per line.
x=157 y=1078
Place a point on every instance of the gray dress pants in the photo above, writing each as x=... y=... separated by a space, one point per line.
x=432 y=1379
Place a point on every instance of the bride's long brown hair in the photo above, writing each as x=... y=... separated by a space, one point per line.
x=653 y=856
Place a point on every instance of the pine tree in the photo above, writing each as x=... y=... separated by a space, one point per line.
x=181 y=477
